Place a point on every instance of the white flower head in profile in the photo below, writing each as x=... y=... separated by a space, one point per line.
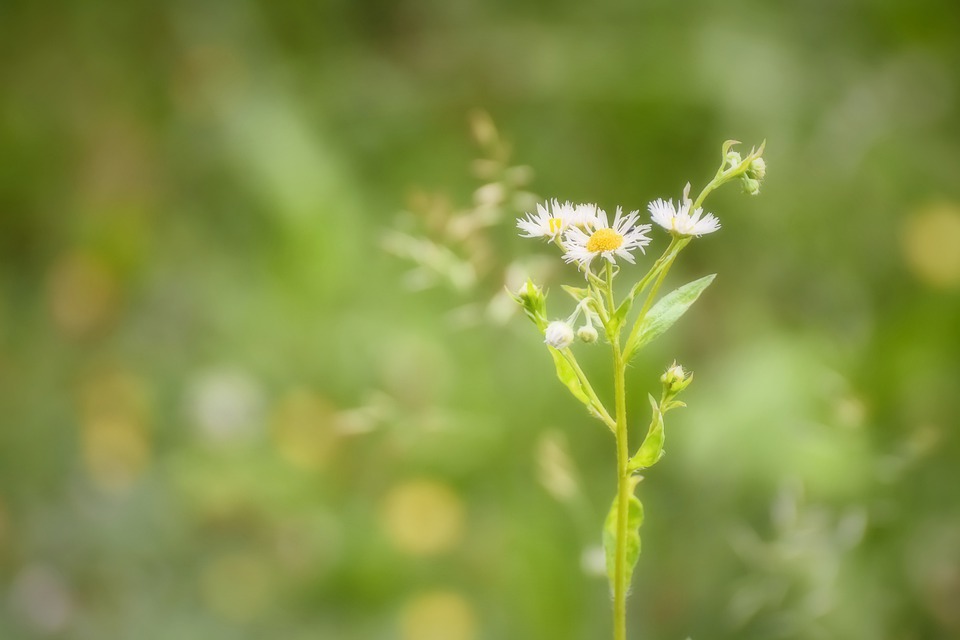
x=678 y=220
x=599 y=238
x=550 y=220
x=559 y=334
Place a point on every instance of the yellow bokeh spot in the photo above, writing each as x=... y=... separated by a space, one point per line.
x=115 y=452
x=439 y=615
x=237 y=586
x=303 y=429
x=604 y=240
x=83 y=294
x=423 y=517
x=931 y=245
x=115 y=442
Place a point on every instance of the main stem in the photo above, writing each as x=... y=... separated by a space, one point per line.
x=620 y=585
x=623 y=475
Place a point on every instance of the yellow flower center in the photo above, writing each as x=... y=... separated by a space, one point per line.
x=555 y=225
x=604 y=240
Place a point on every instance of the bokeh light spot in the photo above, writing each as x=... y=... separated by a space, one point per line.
x=82 y=294
x=115 y=452
x=303 y=429
x=115 y=443
x=931 y=245
x=423 y=517
x=41 y=599
x=439 y=615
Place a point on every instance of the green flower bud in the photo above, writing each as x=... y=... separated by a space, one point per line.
x=587 y=333
x=733 y=158
x=675 y=380
x=530 y=294
x=534 y=303
x=750 y=185
x=559 y=334
x=757 y=169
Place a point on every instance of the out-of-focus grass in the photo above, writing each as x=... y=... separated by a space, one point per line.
x=223 y=416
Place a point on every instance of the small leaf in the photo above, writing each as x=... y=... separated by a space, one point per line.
x=667 y=311
x=634 y=520
x=568 y=376
x=576 y=293
x=651 y=450
x=621 y=314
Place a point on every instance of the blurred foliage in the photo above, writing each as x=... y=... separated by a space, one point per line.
x=224 y=416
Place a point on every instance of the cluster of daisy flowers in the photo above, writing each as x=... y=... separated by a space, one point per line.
x=584 y=232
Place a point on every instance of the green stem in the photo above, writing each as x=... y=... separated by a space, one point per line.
x=620 y=585
x=609 y=290
x=661 y=270
x=654 y=270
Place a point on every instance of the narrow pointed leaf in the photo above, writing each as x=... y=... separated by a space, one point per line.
x=621 y=314
x=634 y=520
x=651 y=450
x=576 y=293
x=667 y=311
x=568 y=376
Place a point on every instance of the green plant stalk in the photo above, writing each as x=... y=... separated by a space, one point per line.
x=620 y=585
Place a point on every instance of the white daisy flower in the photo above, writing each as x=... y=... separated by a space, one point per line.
x=678 y=219
x=550 y=220
x=584 y=214
x=599 y=238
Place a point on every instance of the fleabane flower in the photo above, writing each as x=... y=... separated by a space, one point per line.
x=678 y=220
x=599 y=238
x=584 y=214
x=551 y=219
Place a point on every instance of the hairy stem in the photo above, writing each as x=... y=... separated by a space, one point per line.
x=620 y=585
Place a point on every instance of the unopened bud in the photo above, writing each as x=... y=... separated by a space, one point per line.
x=534 y=303
x=757 y=169
x=733 y=158
x=587 y=333
x=675 y=379
x=559 y=334
x=530 y=294
x=750 y=185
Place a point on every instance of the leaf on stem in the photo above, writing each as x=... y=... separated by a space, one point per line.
x=651 y=450
x=621 y=315
x=568 y=376
x=634 y=520
x=667 y=311
x=576 y=293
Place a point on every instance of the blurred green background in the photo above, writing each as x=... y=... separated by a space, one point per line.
x=231 y=405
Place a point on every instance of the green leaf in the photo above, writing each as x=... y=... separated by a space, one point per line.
x=667 y=311
x=576 y=293
x=621 y=314
x=568 y=376
x=651 y=450
x=634 y=520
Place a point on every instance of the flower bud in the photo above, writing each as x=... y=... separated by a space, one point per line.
x=750 y=185
x=587 y=333
x=675 y=379
x=559 y=334
x=757 y=169
x=733 y=158
x=534 y=303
